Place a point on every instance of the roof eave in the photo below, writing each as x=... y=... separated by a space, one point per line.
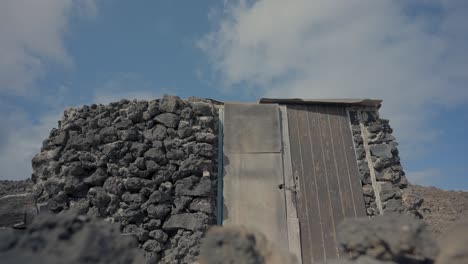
x=348 y=102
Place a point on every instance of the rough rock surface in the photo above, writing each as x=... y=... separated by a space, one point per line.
x=68 y=238
x=440 y=209
x=148 y=165
x=453 y=244
x=360 y=260
x=397 y=238
x=238 y=245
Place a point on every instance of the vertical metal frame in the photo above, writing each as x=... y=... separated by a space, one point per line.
x=220 y=166
x=290 y=189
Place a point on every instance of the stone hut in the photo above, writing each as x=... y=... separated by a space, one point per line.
x=169 y=168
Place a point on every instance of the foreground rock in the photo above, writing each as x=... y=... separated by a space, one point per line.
x=238 y=245
x=397 y=238
x=454 y=244
x=72 y=238
x=68 y=238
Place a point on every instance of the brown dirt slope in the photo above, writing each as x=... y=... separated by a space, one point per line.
x=441 y=209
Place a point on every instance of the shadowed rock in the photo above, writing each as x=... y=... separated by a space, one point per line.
x=238 y=245
x=392 y=237
x=68 y=238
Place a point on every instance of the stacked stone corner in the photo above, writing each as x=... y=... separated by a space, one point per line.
x=382 y=176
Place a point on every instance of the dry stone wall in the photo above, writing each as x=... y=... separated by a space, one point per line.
x=382 y=176
x=148 y=165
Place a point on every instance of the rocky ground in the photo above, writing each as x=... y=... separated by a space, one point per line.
x=441 y=208
x=15 y=187
x=381 y=240
x=234 y=244
x=73 y=238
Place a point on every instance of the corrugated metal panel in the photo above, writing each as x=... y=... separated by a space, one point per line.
x=253 y=171
x=349 y=102
x=323 y=159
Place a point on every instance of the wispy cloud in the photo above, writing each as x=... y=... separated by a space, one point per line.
x=21 y=135
x=32 y=36
x=428 y=177
x=20 y=139
x=126 y=85
x=411 y=54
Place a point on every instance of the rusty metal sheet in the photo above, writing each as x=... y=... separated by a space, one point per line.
x=251 y=128
x=252 y=197
x=253 y=171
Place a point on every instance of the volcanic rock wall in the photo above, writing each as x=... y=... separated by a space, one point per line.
x=382 y=175
x=148 y=165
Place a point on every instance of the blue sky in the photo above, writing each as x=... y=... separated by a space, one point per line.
x=59 y=53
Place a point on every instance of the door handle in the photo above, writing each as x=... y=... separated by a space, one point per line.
x=287 y=188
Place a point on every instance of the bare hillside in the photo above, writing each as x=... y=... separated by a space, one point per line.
x=441 y=208
x=15 y=187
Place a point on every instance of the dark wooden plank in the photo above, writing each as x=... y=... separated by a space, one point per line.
x=319 y=167
x=310 y=189
x=331 y=173
x=298 y=174
x=323 y=159
x=354 y=176
x=341 y=163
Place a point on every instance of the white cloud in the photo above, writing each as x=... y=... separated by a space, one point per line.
x=126 y=85
x=32 y=36
x=21 y=139
x=86 y=8
x=352 y=49
x=21 y=136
